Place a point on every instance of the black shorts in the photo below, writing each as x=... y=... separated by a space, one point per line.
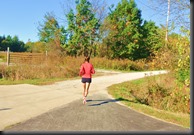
x=88 y=80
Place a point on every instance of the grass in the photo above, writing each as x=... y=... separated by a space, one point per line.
x=120 y=92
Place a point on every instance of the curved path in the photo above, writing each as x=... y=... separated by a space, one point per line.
x=58 y=107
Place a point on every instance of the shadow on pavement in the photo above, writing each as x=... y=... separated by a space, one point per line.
x=105 y=101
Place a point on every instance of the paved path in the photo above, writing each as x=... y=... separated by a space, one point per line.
x=59 y=107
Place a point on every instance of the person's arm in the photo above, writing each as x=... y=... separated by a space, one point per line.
x=93 y=71
x=82 y=71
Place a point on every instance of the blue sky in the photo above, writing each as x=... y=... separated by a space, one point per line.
x=22 y=17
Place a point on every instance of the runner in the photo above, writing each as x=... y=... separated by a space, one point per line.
x=86 y=71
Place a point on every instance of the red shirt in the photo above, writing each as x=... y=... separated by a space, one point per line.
x=86 y=70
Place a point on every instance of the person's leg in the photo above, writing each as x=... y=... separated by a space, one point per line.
x=84 y=85
x=87 y=89
x=84 y=98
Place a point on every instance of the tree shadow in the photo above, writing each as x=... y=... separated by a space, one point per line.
x=106 y=101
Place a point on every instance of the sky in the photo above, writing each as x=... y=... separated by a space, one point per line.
x=23 y=17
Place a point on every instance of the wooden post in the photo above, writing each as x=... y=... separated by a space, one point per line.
x=7 y=56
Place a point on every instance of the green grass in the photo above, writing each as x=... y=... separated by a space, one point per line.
x=121 y=93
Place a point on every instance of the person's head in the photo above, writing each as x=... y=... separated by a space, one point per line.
x=87 y=58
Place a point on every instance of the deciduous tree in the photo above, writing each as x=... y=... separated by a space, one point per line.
x=82 y=29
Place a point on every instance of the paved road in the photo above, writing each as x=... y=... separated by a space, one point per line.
x=59 y=107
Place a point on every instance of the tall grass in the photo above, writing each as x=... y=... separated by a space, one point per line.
x=59 y=66
x=53 y=67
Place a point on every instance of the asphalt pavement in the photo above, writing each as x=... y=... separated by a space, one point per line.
x=99 y=114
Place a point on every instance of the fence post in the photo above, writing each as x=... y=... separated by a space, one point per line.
x=7 y=56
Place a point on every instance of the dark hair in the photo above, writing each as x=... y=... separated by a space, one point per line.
x=87 y=58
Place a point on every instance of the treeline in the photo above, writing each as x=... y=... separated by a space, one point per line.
x=122 y=34
x=13 y=43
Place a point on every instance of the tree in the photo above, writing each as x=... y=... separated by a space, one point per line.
x=50 y=31
x=82 y=29
x=124 y=31
x=36 y=47
x=14 y=44
x=178 y=45
x=179 y=12
x=152 y=38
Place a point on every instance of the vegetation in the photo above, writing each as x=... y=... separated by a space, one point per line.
x=121 y=41
x=157 y=97
x=60 y=66
x=82 y=29
x=51 y=32
x=13 y=43
x=124 y=34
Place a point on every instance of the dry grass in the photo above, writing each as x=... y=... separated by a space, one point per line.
x=57 y=65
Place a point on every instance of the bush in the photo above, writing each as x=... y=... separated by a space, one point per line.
x=161 y=92
x=116 y=64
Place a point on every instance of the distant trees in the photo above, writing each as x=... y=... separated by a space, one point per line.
x=36 y=47
x=13 y=43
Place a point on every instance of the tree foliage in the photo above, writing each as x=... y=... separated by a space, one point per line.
x=152 y=38
x=13 y=43
x=36 y=47
x=82 y=29
x=50 y=31
x=126 y=35
x=183 y=62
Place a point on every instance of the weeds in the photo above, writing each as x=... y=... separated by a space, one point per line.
x=160 y=92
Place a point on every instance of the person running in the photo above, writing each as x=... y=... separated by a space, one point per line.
x=86 y=71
